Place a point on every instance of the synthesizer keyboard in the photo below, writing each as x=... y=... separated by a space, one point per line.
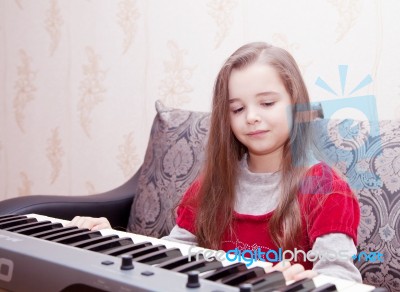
x=38 y=253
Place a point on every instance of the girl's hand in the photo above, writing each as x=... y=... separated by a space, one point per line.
x=292 y=272
x=90 y=223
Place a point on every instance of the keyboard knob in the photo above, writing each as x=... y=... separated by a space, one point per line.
x=126 y=263
x=193 y=279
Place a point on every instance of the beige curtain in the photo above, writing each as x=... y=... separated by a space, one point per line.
x=79 y=78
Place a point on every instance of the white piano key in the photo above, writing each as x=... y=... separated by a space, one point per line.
x=341 y=284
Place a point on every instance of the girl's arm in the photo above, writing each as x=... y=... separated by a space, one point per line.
x=342 y=246
x=181 y=235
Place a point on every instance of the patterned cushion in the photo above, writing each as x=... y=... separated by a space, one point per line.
x=172 y=161
x=368 y=154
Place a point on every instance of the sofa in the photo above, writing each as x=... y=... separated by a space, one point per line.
x=366 y=153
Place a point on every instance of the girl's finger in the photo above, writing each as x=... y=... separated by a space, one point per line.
x=291 y=272
x=281 y=266
x=104 y=225
x=73 y=221
x=306 y=274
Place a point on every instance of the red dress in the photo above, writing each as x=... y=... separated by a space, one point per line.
x=327 y=205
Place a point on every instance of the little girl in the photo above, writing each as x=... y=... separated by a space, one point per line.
x=257 y=189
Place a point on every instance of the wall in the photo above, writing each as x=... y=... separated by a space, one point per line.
x=79 y=78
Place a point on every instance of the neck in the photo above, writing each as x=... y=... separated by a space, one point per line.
x=265 y=163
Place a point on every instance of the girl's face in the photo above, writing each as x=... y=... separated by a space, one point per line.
x=260 y=114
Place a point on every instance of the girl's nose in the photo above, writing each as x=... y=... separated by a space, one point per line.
x=252 y=117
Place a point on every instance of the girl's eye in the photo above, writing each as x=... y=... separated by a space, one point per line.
x=238 y=110
x=268 y=103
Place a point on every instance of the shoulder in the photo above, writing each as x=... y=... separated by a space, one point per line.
x=191 y=199
x=192 y=192
x=321 y=170
x=325 y=190
x=323 y=179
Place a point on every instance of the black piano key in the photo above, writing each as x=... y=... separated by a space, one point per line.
x=225 y=271
x=91 y=241
x=100 y=246
x=305 y=285
x=241 y=277
x=202 y=265
x=64 y=233
x=179 y=261
x=116 y=251
x=11 y=217
x=16 y=222
x=145 y=250
x=77 y=237
x=27 y=225
x=328 y=287
x=268 y=282
x=40 y=228
x=159 y=256
x=56 y=230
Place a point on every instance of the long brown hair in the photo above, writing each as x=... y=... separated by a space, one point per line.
x=216 y=196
